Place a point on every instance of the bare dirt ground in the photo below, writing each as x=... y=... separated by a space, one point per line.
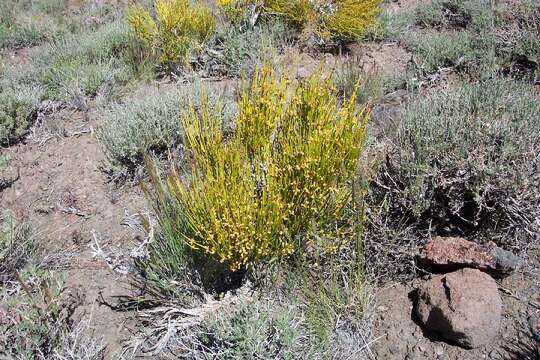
x=65 y=195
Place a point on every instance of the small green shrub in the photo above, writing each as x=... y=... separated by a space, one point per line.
x=40 y=325
x=493 y=39
x=467 y=52
x=43 y=329
x=139 y=127
x=180 y=28
x=17 y=246
x=285 y=170
x=87 y=64
x=352 y=76
x=518 y=43
x=238 y=49
x=391 y=25
x=472 y=14
x=49 y=6
x=17 y=109
x=261 y=329
x=31 y=23
x=21 y=35
x=303 y=311
x=5 y=160
x=236 y=11
x=342 y=297
x=465 y=162
x=37 y=330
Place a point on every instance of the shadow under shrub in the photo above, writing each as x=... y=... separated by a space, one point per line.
x=463 y=162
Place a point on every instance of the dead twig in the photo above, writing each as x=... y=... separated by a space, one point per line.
x=72 y=210
x=7 y=183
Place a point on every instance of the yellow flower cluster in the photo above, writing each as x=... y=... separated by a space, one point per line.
x=179 y=27
x=329 y=19
x=350 y=19
x=284 y=169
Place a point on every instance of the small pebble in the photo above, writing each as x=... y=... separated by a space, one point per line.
x=495 y=355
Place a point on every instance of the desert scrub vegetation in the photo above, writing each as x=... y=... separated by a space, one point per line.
x=288 y=161
x=300 y=313
x=461 y=162
x=464 y=51
x=18 y=273
x=273 y=202
x=391 y=25
x=352 y=76
x=319 y=323
x=478 y=38
x=477 y=14
x=328 y=21
x=26 y=24
x=96 y=63
x=99 y=62
x=177 y=31
x=17 y=247
x=139 y=127
x=17 y=110
x=237 y=49
x=34 y=316
x=29 y=23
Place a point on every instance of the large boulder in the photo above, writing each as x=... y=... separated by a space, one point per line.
x=463 y=307
x=451 y=253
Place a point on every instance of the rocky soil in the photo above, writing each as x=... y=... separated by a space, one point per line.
x=463 y=314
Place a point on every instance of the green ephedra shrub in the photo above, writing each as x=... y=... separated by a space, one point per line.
x=283 y=171
x=329 y=20
x=178 y=29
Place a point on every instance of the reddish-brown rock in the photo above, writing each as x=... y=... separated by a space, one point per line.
x=452 y=253
x=464 y=307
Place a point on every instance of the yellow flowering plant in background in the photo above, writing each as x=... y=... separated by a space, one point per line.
x=179 y=28
x=347 y=19
x=285 y=170
x=330 y=20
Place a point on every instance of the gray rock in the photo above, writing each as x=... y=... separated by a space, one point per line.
x=463 y=307
x=505 y=261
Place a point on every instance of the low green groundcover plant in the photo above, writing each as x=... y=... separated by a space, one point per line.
x=17 y=108
x=465 y=162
